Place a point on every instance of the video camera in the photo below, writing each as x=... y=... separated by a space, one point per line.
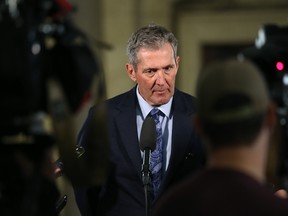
x=38 y=42
x=270 y=54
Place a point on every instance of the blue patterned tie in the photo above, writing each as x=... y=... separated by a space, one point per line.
x=156 y=155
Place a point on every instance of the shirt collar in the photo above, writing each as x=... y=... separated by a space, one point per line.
x=146 y=108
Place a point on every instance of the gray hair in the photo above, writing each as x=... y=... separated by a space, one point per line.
x=151 y=36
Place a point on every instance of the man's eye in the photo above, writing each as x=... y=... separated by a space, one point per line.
x=168 y=69
x=149 y=71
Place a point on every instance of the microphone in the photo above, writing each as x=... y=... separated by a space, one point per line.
x=147 y=144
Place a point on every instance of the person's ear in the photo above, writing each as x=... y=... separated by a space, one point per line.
x=131 y=72
x=282 y=193
x=177 y=62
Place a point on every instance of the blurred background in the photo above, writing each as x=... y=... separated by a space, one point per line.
x=207 y=30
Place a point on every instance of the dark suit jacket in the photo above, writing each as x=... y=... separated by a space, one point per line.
x=124 y=194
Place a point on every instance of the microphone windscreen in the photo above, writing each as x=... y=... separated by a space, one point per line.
x=148 y=134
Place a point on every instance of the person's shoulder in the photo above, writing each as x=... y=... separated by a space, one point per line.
x=112 y=103
x=185 y=95
x=185 y=100
x=120 y=97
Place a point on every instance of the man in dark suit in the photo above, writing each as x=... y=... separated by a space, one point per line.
x=153 y=64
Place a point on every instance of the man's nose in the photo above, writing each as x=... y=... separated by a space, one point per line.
x=160 y=79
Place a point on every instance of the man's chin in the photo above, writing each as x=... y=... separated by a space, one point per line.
x=161 y=101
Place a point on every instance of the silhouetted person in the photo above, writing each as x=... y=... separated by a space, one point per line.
x=236 y=118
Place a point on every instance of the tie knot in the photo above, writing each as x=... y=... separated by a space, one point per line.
x=154 y=111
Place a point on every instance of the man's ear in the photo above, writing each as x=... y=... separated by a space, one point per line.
x=131 y=72
x=177 y=61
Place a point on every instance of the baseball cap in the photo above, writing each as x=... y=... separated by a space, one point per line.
x=231 y=91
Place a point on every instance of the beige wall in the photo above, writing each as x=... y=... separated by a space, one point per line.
x=222 y=27
x=112 y=22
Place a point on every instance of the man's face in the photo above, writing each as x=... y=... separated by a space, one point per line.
x=156 y=73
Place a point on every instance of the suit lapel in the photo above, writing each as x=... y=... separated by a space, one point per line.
x=126 y=124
